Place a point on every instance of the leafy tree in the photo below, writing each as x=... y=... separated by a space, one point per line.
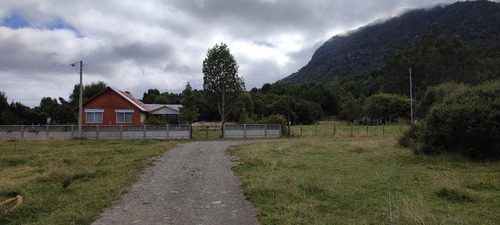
x=436 y=94
x=4 y=108
x=387 y=106
x=189 y=112
x=308 y=112
x=221 y=79
x=150 y=96
x=350 y=108
x=89 y=90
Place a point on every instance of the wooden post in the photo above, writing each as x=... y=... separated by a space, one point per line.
x=207 y=133
x=265 y=130
x=301 y=129
x=80 y=102
x=144 y=132
x=316 y=129
x=334 y=129
x=168 y=132
x=352 y=126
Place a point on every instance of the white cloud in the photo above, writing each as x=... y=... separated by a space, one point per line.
x=137 y=45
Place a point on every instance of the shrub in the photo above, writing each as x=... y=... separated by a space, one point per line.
x=276 y=119
x=467 y=123
x=412 y=137
x=154 y=120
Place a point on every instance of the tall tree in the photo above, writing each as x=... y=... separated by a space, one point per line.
x=221 y=79
x=189 y=112
x=4 y=108
x=89 y=90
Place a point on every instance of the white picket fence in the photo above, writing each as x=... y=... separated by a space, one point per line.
x=31 y=132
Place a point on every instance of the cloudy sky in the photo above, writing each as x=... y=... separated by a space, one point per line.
x=135 y=45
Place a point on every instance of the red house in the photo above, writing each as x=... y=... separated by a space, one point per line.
x=114 y=107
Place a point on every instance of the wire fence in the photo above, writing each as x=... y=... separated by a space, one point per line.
x=342 y=130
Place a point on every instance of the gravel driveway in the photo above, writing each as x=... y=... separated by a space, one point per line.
x=191 y=184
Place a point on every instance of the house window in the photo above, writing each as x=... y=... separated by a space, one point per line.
x=124 y=115
x=94 y=115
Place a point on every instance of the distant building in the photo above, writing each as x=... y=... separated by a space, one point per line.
x=114 y=107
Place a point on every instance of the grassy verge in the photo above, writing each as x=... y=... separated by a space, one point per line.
x=347 y=181
x=70 y=182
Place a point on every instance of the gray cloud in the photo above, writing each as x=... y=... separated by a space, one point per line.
x=136 y=45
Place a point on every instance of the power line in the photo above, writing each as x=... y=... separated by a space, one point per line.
x=35 y=66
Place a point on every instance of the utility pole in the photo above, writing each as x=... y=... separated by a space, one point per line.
x=80 y=105
x=411 y=98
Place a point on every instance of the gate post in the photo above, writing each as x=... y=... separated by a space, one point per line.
x=97 y=132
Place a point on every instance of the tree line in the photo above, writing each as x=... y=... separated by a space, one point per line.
x=379 y=95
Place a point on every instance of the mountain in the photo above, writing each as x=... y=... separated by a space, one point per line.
x=476 y=22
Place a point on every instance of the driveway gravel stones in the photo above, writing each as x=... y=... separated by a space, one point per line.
x=190 y=184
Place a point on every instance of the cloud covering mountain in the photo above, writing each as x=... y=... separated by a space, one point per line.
x=137 y=45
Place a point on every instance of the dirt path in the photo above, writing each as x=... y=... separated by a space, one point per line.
x=191 y=184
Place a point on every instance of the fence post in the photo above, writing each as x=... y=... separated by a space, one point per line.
x=383 y=130
x=206 y=133
x=97 y=132
x=244 y=131
x=72 y=132
x=22 y=132
x=367 y=129
x=352 y=127
x=168 y=132
x=121 y=132
x=334 y=129
x=47 y=131
x=265 y=130
x=144 y=132
x=316 y=128
x=301 y=129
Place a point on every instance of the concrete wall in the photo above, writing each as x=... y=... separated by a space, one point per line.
x=25 y=132
x=252 y=130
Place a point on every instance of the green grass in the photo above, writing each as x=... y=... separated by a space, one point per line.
x=347 y=181
x=330 y=130
x=72 y=181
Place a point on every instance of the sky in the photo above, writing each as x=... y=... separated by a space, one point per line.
x=136 y=45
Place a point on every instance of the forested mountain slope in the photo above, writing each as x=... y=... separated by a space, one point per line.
x=477 y=23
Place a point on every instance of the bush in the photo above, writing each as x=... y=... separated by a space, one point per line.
x=467 y=123
x=154 y=120
x=412 y=137
x=275 y=119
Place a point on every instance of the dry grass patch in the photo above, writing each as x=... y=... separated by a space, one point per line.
x=346 y=181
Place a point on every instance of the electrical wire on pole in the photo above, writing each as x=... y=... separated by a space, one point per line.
x=80 y=100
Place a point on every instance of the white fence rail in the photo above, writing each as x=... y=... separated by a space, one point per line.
x=252 y=130
x=30 y=132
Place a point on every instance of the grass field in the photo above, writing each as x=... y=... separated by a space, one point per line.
x=347 y=181
x=338 y=130
x=72 y=181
